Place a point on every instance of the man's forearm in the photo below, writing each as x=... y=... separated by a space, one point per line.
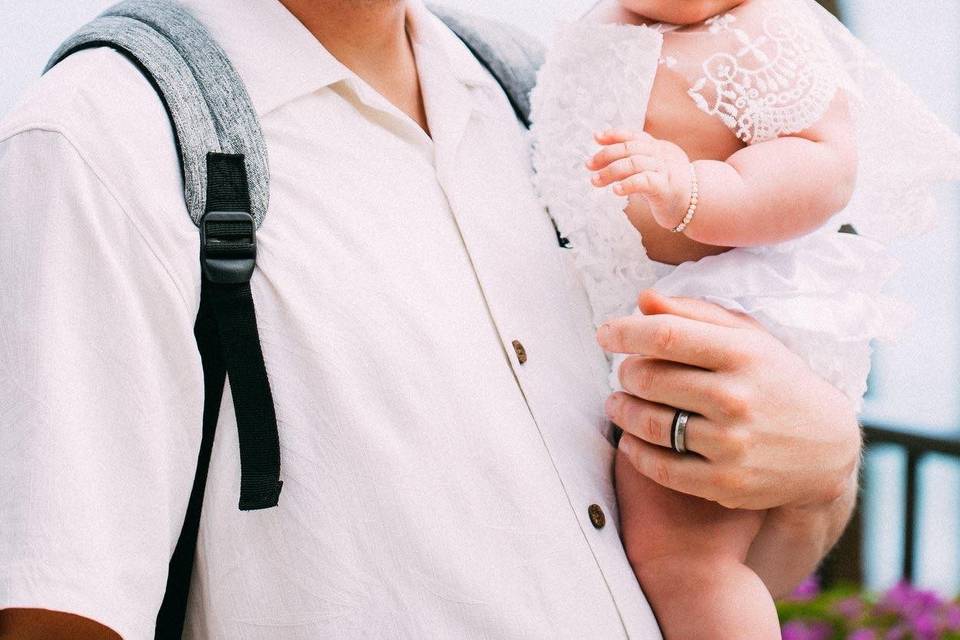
x=793 y=540
x=42 y=624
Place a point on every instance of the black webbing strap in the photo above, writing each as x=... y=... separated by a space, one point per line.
x=228 y=255
x=173 y=611
x=229 y=344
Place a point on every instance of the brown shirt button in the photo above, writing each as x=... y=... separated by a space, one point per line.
x=597 y=517
x=521 y=352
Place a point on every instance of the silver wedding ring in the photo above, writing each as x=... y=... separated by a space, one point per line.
x=678 y=431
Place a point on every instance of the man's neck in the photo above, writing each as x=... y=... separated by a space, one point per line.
x=370 y=38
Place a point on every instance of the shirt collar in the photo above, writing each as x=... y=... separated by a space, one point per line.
x=431 y=34
x=279 y=60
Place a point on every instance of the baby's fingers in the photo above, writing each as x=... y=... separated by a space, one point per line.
x=653 y=185
x=620 y=150
x=626 y=167
x=613 y=136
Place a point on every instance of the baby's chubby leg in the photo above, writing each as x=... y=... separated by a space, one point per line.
x=660 y=522
x=689 y=554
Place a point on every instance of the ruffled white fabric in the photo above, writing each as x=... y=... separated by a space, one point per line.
x=596 y=77
x=822 y=294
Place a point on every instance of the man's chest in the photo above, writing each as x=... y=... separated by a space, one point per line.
x=422 y=260
x=438 y=390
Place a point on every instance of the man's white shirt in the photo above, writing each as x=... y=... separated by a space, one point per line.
x=434 y=485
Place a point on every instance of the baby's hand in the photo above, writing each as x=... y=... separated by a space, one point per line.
x=640 y=165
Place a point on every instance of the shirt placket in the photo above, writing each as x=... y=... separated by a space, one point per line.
x=529 y=318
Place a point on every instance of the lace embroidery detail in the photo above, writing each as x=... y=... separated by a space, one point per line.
x=720 y=23
x=777 y=82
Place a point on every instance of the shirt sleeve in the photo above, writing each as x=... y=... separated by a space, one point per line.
x=101 y=395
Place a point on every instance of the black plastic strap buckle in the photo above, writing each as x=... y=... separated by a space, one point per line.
x=228 y=246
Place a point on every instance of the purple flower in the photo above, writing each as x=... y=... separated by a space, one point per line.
x=794 y=630
x=952 y=617
x=899 y=632
x=897 y=599
x=850 y=608
x=925 y=625
x=806 y=590
x=909 y=602
x=798 y=630
x=915 y=614
x=926 y=601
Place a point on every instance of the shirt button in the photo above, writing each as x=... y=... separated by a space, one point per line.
x=521 y=352
x=597 y=517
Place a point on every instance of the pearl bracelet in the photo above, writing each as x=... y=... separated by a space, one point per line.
x=694 y=200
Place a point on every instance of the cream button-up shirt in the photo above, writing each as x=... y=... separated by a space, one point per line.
x=435 y=486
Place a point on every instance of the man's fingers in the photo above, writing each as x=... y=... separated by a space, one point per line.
x=653 y=303
x=653 y=423
x=714 y=395
x=685 y=473
x=626 y=167
x=673 y=338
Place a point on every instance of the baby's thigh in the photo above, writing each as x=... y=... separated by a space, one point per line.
x=657 y=521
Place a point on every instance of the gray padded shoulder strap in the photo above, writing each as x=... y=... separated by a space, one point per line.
x=203 y=94
x=511 y=55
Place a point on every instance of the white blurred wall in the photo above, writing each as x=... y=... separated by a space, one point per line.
x=916 y=380
x=29 y=32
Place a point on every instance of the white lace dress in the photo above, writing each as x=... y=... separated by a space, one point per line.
x=772 y=73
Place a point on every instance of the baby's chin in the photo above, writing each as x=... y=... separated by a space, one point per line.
x=681 y=12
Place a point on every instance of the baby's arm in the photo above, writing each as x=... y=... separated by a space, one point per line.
x=762 y=194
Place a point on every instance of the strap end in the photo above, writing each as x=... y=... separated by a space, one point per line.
x=261 y=497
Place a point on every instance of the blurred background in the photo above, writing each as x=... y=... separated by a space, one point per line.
x=909 y=523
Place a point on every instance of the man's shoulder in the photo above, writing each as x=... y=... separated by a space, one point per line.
x=99 y=102
x=110 y=130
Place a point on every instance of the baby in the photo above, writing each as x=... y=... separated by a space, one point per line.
x=727 y=139
x=697 y=186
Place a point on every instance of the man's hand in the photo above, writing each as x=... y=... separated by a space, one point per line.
x=768 y=434
x=768 y=431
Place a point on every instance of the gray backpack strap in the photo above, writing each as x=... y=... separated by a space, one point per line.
x=204 y=96
x=226 y=188
x=512 y=56
x=224 y=162
x=158 y=59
